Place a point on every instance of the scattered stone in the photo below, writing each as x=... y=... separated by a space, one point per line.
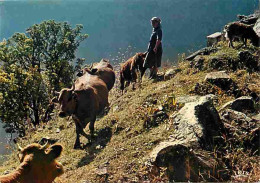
x=198 y=122
x=203 y=51
x=194 y=98
x=115 y=108
x=236 y=116
x=160 y=113
x=57 y=130
x=217 y=75
x=187 y=99
x=102 y=171
x=250 y=19
x=256 y=117
x=160 y=76
x=171 y=73
x=220 y=79
x=241 y=129
x=257 y=27
x=184 y=165
x=198 y=62
x=211 y=97
x=47 y=139
x=213 y=39
x=240 y=104
x=98 y=147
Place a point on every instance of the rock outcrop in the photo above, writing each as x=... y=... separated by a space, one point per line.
x=184 y=164
x=197 y=62
x=198 y=122
x=243 y=103
x=203 y=51
x=220 y=79
x=197 y=126
x=171 y=73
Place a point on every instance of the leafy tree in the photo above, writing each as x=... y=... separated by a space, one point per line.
x=18 y=91
x=55 y=44
x=32 y=67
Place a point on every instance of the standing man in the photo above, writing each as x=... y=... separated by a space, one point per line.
x=154 y=57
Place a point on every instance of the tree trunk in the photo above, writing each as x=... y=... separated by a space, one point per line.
x=35 y=113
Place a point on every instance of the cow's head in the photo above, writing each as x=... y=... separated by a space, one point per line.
x=84 y=70
x=39 y=162
x=67 y=101
x=139 y=58
x=105 y=64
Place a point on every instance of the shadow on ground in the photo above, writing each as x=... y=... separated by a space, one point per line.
x=99 y=143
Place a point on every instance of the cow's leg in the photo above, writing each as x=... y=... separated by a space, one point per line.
x=82 y=125
x=127 y=84
x=122 y=82
x=134 y=78
x=152 y=72
x=91 y=127
x=142 y=73
x=230 y=44
x=77 y=142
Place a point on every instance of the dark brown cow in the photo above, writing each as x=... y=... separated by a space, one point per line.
x=87 y=98
x=38 y=165
x=104 y=70
x=242 y=31
x=128 y=69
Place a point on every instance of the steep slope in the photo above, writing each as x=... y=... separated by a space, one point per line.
x=126 y=136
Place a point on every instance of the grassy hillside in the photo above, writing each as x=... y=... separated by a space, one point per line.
x=127 y=134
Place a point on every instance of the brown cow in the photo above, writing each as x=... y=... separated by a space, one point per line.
x=128 y=69
x=103 y=64
x=38 y=165
x=87 y=98
x=242 y=31
x=104 y=70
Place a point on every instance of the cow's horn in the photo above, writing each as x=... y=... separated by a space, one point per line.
x=56 y=93
x=45 y=145
x=73 y=87
x=91 y=66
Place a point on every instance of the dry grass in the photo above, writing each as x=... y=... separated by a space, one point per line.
x=122 y=141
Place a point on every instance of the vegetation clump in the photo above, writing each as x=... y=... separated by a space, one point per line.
x=32 y=67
